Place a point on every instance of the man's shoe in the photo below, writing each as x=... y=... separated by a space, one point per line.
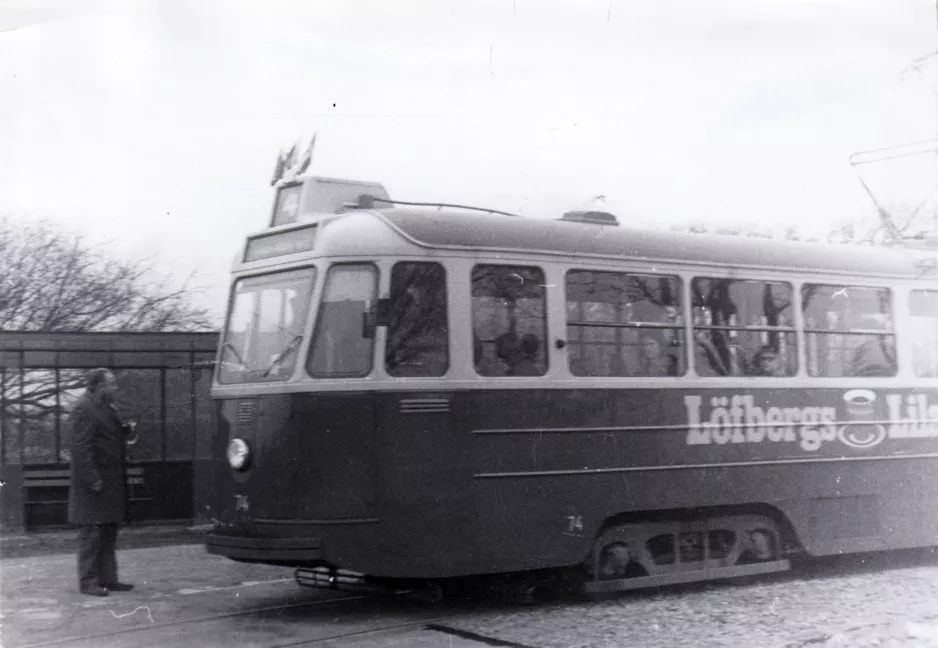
x=94 y=590
x=119 y=587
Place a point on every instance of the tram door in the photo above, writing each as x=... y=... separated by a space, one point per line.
x=415 y=422
x=509 y=330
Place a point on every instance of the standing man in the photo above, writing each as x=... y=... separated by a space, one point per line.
x=96 y=497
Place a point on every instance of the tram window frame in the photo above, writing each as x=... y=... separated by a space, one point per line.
x=835 y=332
x=354 y=323
x=500 y=355
x=923 y=315
x=287 y=365
x=423 y=360
x=668 y=331
x=717 y=346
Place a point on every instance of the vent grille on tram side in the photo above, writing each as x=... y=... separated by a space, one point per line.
x=245 y=414
x=424 y=405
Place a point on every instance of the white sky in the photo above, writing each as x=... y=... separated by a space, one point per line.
x=154 y=124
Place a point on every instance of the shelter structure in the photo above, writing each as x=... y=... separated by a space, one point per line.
x=165 y=381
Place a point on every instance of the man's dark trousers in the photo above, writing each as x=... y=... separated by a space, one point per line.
x=97 y=555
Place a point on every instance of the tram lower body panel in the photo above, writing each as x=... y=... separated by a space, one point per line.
x=433 y=485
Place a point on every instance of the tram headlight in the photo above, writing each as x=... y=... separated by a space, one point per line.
x=238 y=453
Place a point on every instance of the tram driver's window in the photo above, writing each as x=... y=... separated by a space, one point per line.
x=743 y=327
x=265 y=327
x=417 y=343
x=923 y=306
x=509 y=324
x=848 y=331
x=340 y=348
x=624 y=324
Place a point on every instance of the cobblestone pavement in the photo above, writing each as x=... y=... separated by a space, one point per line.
x=882 y=600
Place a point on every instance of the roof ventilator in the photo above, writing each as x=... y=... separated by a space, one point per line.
x=592 y=217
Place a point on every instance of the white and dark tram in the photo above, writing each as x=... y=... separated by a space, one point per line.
x=410 y=392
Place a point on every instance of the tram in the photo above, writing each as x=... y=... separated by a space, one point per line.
x=409 y=393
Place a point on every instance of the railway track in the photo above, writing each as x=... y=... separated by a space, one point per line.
x=154 y=627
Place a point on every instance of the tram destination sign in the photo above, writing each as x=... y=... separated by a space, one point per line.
x=266 y=246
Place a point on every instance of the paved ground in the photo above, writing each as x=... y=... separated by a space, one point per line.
x=885 y=600
x=185 y=597
x=61 y=541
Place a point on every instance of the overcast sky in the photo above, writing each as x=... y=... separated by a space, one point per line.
x=155 y=123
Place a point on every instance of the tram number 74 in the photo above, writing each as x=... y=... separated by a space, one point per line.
x=574 y=525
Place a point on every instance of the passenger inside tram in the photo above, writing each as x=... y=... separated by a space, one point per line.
x=519 y=355
x=653 y=359
x=760 y=547
x=766 y=363
x=506 y=346
x=525 y=358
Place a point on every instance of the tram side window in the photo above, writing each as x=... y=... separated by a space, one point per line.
x=340 y=349
x=624 y=324
x=923 y=306
x=265 y=326
x=743 y=327
x=417 y=342
x=848 y=330
x=509 y=320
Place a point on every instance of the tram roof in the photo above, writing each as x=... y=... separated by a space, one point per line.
x=468 y=231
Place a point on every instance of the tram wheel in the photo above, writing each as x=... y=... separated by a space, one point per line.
x=613 y=560
x=614 y=555
x=760 y=545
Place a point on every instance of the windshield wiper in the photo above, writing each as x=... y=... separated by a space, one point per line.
x=287 y=350
x=228 y=346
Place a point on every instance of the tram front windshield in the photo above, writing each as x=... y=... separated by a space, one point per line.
x=265 y=326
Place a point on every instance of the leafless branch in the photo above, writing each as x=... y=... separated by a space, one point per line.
x=51 y=280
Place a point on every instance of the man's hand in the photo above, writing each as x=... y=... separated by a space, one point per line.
x=98 y=486
x=130 y=433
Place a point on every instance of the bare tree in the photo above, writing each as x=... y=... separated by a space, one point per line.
x=51 y=280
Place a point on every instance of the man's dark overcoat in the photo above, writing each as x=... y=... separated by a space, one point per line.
x=97 y=454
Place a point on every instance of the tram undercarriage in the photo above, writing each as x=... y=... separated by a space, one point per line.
x=636 y=555
x=626 y=556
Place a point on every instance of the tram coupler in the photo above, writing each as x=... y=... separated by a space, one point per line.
x=340 y=579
